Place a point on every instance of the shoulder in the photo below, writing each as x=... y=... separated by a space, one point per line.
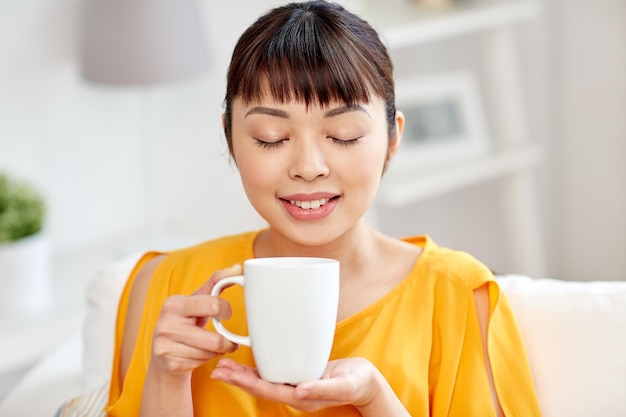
x=225 y=247
x=185 y=269
x=144 y=275
x=449 y=266
x=212 y=254
x=178 y=269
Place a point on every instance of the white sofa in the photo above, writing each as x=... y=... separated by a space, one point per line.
x=575 y=335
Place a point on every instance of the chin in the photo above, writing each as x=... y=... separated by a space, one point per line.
x=314 y=235
x=313 y=238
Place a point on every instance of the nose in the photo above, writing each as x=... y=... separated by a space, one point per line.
x=308 y=161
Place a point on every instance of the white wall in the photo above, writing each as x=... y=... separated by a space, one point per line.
x=82 y=144
x=573 y=66
x=590 y=149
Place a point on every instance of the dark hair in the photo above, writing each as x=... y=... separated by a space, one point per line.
x=313 y=51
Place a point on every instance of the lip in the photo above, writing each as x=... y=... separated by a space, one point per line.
x=308 y=197
x=301 y=214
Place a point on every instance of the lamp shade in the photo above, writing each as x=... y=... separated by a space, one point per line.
x=135 y=42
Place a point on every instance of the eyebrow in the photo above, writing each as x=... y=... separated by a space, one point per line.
x=268 y=111
x=284 y=115
x=345 y=109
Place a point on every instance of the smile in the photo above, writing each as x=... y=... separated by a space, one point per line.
x=307 y=207
x=312 y=204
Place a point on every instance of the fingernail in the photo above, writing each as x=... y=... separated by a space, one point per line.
x=216 y=375
x=302 y=392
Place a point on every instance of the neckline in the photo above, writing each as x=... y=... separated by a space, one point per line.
x=426 y=244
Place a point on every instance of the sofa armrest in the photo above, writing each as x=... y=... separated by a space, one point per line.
x=575 y=337
x=52 y=381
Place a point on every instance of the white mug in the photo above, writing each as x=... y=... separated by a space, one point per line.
x=291 y=309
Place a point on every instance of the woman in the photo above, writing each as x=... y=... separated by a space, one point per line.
x=311 y=123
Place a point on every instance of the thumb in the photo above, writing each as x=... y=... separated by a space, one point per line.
x=206 y=288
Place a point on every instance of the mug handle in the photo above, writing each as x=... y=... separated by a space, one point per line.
x=217 y=324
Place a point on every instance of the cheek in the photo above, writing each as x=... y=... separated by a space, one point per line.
x=246 y=168
x=364 y=170
x=375 y=158
x=256 y=174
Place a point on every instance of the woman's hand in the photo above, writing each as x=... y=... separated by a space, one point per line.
x=180 y=342
x=352 y=381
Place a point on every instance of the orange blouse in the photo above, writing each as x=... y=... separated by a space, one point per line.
x=423 y=336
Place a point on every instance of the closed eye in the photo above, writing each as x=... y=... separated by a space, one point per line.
x=269 y=145
x=345 y=142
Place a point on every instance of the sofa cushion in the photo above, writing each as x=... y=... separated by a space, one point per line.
x=575 y=336
x=90 y=404
x=102 y=297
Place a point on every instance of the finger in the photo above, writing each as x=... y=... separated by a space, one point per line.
x=179 y=358
x=217 y=276
x=194 y=337
x=207 y=340
x=225 y=368
x=336 y=390
x=175 y=352
x=207 y=306
x=233 y=371
x=196 y=306
x=249 y=380
x=236 y=367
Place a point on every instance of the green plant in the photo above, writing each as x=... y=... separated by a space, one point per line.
x=22 y=209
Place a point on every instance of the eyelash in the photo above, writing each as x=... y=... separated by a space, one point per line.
x=345 y=143
x=269 y=145
x=342 y=142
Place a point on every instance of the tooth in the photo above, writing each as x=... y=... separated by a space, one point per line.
x=311 y=204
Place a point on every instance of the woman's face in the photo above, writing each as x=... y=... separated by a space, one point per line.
x=313 y=172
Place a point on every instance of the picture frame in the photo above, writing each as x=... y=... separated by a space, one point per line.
x=444 y=123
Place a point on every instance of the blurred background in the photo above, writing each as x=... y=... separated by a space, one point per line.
x=128 y=168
